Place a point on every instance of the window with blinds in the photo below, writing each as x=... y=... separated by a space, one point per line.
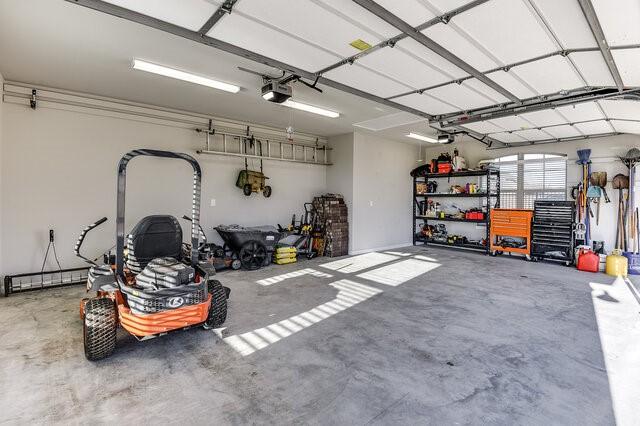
x=525 y=178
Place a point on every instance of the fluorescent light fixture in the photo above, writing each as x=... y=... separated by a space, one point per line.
x=268 y=96
x=185 y=76
x=310 y=108
x=422 y=138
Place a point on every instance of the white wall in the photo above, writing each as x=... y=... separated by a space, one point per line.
x=373 y=175
x=602 y=151
x=1 y=149
x=58 y=170
x=340 y=173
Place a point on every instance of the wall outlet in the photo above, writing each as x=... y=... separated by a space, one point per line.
x=213 y=202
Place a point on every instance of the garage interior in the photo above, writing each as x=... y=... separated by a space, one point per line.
x=337 y=212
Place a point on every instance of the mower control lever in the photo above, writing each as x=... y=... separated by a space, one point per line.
x=83 y=234
x=202 y=235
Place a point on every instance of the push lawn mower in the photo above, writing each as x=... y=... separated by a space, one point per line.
x=151 y=289
x=213 y=253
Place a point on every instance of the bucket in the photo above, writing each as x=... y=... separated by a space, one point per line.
x=634 y=262
x=617 y=264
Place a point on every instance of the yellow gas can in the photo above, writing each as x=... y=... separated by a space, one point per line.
x=617 y=264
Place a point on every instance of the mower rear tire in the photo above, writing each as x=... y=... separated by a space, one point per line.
x=247 y=189
x=100 y=325
x=218 y=308
x=266 y=191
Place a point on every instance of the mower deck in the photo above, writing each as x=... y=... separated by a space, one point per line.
x=163 y=322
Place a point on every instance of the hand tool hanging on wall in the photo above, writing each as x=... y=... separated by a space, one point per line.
x=621 y=182
x=52 y=244
x=630 y=159
x=599 y=179
x=582 y=200
x=594 y=193
x=637 y=230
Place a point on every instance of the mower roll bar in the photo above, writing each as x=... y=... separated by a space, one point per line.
x=202 y=235
x=83 y=234
x=120 y=208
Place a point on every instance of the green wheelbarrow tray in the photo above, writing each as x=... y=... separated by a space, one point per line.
x=252 y=181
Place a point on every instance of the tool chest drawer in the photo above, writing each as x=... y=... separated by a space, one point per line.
x=509 y=222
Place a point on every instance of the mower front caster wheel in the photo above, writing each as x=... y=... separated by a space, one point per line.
x=218 y=309
x=266 y=191
x=247 y=189
x=100 y=325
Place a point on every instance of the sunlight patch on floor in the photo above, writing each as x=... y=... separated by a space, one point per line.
x=427 y=258
x=359 y=263
x=399 y=272
x=616 y=311
x=294 y=274
x=350 y=293
x=397 y=253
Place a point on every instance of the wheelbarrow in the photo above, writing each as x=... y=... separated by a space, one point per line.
x=253 y=246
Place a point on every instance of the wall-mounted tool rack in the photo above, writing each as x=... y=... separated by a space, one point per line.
x=262 y=148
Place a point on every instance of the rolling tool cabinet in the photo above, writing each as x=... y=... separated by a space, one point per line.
x=553 y=231
x=510 y=223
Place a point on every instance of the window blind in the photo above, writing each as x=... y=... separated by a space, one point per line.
x=526 y=178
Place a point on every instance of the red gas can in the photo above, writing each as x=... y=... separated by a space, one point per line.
x=588 y=261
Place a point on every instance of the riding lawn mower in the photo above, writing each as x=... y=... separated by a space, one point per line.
x=151 y=288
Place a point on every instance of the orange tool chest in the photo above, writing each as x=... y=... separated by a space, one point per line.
x=510 y=223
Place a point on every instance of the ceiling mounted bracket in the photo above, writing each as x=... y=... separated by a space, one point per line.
x=224 y=9
x=33 y=101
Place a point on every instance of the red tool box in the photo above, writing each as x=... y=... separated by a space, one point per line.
x=445 y=168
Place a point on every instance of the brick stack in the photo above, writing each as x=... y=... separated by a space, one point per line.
x=332 y=214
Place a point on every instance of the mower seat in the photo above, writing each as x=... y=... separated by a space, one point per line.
x=157 y=236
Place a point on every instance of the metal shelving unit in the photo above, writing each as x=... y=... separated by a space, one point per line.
x=492 y=176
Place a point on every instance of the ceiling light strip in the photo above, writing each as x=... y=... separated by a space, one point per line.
x=139 y=18
x=141 y=65
x=310 y=108
x=422 y=137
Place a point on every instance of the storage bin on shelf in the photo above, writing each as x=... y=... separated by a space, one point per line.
x=515 y=223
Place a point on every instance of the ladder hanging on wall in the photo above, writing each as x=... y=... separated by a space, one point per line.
x=233 y=144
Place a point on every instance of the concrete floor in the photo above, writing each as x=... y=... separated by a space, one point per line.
x=384 y=338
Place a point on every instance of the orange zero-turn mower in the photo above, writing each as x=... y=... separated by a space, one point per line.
x=156 y=285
